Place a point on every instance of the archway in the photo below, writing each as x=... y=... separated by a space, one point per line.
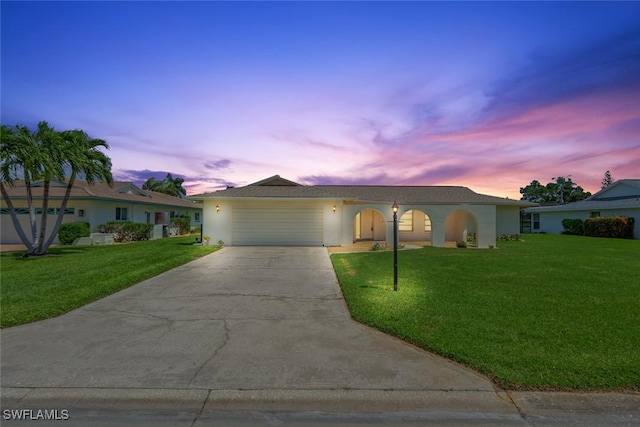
x=414 y=226
x=369 y=225
x=461 y=226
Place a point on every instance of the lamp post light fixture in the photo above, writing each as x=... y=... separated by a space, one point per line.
x=394 y=208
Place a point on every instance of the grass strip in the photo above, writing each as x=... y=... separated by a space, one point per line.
x=69 y=277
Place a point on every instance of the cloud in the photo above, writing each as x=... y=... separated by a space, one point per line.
x=218 y=164
x=140 y=176
x=192 y=183
x=551 y=78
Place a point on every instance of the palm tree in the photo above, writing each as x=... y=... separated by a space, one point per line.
x=81 y=154
x=168 y=185
x=43 y=155
x=33 y=156
x=16 y=158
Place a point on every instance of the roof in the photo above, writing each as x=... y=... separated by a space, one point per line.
x=362 y=193
x=607 y=198
x=121 y=191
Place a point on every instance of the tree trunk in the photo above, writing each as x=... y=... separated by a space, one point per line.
x=15 y=220
x=44 y=217
x=60 y=217
x=32 y=211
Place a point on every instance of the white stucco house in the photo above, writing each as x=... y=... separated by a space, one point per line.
x=96 y=204
x=276 y=211
x=622 y=198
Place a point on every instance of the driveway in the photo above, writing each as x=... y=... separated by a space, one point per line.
x=256 y=318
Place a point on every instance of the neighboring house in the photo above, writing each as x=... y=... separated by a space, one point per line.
x=276 y=211
x=622 y=198
x=96 y=204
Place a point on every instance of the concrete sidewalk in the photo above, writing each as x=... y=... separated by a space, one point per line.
x=246 y=330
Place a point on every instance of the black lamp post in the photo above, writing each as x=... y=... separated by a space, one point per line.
x=394 y=208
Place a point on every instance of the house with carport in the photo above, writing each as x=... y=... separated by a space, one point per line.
x=277 y=211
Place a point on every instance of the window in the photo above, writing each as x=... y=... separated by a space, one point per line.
x=427 y=223
x=121 y=214
x=536 y=221
x=196 y=217
x=595 y=214
x=406 y=221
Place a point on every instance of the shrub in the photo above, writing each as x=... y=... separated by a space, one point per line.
x=127 y=231
x=461 y=244
x=70 y=231
x=182 y=223
x=612 y=226
x=573 y=226
x=508 y=238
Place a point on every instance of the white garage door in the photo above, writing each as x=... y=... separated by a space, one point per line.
x=301 y=226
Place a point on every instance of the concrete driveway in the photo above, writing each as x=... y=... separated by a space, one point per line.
x=242 y=318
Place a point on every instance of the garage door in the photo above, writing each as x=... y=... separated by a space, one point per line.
x=300 y=226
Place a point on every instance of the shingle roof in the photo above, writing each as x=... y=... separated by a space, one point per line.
x=370 y=193
x=101 y=190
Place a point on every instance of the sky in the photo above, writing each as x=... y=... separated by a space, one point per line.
x=488 y=95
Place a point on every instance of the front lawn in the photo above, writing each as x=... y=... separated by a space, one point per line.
x=71 y=276
x=550 y=312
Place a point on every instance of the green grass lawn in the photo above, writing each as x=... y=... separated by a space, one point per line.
x=71 y=276
x=550 y=312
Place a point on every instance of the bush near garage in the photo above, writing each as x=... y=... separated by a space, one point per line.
x=573 y=226
x=127 y=231
x=613 y=226
x=70 y=231
x=182 y=223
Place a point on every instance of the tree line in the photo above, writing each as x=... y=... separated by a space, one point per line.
x=559 y=190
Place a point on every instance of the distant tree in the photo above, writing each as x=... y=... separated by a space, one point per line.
x=559 y=191
x=42 y=156
x=168 y=185
x=607 y=181
x=536 y=193
x=567 y=191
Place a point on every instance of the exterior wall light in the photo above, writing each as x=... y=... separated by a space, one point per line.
x=334 y=208
x=217 y=208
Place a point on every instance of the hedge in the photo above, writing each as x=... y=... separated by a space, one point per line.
x=70 y=231
x=573 y=226
x=127 y=231
x=611 y=226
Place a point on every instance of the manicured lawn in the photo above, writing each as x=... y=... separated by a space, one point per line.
x=549 y=312
x=71 y=276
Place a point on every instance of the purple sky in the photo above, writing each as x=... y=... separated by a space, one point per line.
x=486 y=95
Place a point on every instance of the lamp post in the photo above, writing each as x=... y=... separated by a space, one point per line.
x=394 y=208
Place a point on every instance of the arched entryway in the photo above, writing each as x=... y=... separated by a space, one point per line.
x=461 y=226
x=369 y=225
x=414 y=225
